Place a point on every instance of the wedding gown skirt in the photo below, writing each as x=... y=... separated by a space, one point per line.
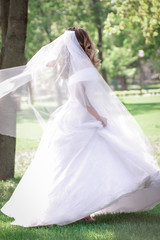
x=82 y=168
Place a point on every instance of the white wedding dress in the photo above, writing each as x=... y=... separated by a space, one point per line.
x=82 y=168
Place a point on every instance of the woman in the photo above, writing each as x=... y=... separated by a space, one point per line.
x=93 y=157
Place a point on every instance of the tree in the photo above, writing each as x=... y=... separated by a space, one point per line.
x=131 y=24
x=43 y=28
x=119 y=65
x=145 y=13
x=99 y=14
x=48 y=19
x=13 y=26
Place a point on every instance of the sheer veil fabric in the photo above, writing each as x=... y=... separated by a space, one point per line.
x=80 y=167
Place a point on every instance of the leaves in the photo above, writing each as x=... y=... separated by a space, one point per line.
x=124 y=24
x=143 y=12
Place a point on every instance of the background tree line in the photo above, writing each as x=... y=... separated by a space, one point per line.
x=119 y=28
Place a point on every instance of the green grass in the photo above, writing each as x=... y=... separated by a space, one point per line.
x=131 y=226
x=146 y=110
x=123 y=226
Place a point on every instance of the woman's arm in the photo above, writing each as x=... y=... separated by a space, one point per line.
x=83 y=99
x=92 y=111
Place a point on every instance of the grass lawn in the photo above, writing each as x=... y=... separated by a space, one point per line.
x=123 y=226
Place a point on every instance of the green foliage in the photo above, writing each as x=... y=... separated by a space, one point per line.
x=130 y=41
x=144 y=13
x=48 y=19
x=118 y=62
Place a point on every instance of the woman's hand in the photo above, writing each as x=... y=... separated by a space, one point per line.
x=104 y=121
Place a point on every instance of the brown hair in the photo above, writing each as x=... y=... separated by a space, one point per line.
x=87 y=44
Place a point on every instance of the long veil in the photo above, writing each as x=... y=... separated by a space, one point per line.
x=31 y=94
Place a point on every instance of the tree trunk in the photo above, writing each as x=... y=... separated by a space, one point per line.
x=7 y=159
x=100 y=46
x=4 y=10
x=115 y=83
x=16 y=34
x=13 y=24
x=123 y=82
x=100 y=38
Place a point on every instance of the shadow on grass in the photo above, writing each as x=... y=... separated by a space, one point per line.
x=135 y=217
x=142 y=108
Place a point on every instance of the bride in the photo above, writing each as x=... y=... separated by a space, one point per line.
x=93 y=158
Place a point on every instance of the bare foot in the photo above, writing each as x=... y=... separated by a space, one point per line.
x=90 y=219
